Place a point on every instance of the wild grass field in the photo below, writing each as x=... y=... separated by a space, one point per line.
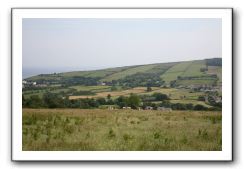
x=131 y=130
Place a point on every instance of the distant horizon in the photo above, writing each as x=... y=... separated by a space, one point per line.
x=59 y=44
x=37 y=71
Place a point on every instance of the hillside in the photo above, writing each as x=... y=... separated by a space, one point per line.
x=197 y=72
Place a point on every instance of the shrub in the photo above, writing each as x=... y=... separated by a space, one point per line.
x=200 y=107
x=156 y=135
x=111 y=133
x=126 y=137
x=203 y=133
x=69 y=129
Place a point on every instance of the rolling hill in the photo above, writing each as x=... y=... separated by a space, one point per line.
x=197 y=72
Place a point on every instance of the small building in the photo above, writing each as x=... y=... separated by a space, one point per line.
x=164 y=109
x=148 y=108
x=102 y=83
x=126 y=107
x=113 y=107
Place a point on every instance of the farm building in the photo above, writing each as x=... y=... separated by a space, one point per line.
x=148 y=108
x=126 y=107
x=164 y=109
x=111 y=107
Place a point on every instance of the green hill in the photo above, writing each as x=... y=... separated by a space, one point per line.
x=197 y=72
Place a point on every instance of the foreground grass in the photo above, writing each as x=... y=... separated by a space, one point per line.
x=79 y=129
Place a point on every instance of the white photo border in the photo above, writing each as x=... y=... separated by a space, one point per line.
x=227 y=91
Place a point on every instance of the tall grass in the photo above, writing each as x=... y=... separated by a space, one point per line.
x=131 y=130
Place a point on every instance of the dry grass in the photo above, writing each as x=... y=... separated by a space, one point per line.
x=132 y=130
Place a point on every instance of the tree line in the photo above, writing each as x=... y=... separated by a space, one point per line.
x=54 y=100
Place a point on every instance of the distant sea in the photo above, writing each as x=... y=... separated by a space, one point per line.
x=28 y=72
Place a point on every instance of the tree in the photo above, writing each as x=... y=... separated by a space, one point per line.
x=101 y=101
x=189 y=106
x=23 y=101
x=34 y=102
x=149 y=89
x=160 y=96
x=178 y=106
x=92 y=103
x=52 y=100
x=109 y=96
x=200 y=107
x=122 y=101
x=134 y=101
x=165 y=103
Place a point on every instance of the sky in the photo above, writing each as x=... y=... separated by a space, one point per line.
x=51 y=44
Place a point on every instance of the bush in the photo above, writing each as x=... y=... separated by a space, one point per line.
x=126 y=137
x=33 y=102
x=203 y=134
x=111 y=133
x=160 y=96
x=156 y=135
x=200 y=107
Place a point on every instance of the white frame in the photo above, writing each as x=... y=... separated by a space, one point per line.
x=19 y=155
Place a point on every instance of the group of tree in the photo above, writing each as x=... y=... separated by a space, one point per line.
x=179 y=106
x=214 y=62
x=53 y=100
x=139 y=79
x=133 y=101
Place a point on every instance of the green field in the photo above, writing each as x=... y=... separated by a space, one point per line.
x=184 y=73
x=216 y=70
x=207 y=81
x=194 y=68
x=128 y=72
x=91 y=88
x=187 y=101
x=95 y=89
x=122 y=130
x=175 y=71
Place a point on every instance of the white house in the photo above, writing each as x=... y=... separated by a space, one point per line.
x=148 y=108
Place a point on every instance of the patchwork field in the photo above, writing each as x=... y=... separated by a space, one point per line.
x=136 y=90
x=216 y=70
x=185 y=73
x=175 y=71
x=91 y=88
x=172 y=92
x=132 y=130
x=128 y=72
x=194 y=68
x=187 y=101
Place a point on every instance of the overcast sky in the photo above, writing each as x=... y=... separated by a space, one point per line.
x=82 y=44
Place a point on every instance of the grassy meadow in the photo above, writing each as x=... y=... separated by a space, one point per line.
x=123 y=130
